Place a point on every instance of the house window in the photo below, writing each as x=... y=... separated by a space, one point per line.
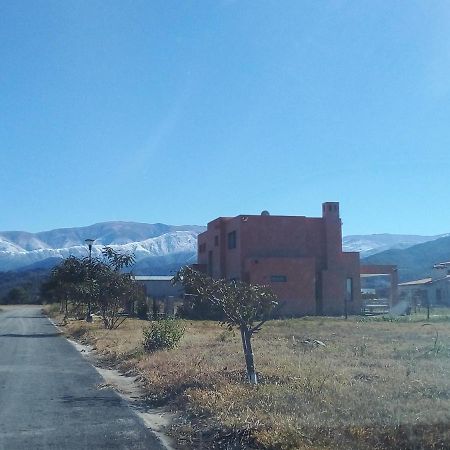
x=210 y=263
x=201 y=248
x=232 y=240
x=278 y=278
x=349 y=289
x=216 y=241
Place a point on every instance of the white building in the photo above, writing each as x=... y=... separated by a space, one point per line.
x=435 y=289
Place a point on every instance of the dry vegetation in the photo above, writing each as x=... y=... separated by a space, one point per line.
x=375 y=383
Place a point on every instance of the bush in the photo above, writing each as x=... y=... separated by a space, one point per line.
x=163 y=335
x=142 y=309
x=196 y=308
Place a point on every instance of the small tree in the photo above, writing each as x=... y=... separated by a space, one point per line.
x=99 y=280
x=112 y=290
x=67 y=282
x=17 y=295
x=245 y=306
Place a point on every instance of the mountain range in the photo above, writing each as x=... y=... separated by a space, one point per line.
x=157 y=247
x=162 y=249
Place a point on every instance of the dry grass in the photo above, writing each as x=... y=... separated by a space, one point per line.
x=375 y=384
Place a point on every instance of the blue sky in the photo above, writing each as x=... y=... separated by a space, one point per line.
x=180 y=111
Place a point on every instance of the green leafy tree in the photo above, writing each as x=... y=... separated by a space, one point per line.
x=113 y=290
x=97 y=281
x=16 y=296
x=195 y=307
x=245 y=306
x=68 y=282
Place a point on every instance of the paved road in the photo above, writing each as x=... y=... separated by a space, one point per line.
x=50 y=396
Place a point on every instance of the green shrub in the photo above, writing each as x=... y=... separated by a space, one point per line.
x=142 y=309
x=163 y=335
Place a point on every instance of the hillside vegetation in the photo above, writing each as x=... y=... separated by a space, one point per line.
x=414 y=262
x=27 y=282
x=373 y=384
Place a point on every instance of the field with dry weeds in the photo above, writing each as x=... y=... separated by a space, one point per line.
x=375 y=383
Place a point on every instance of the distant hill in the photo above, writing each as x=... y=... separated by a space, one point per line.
x=167 y=245
x=30 y=280
x=414 y=262
x=375 y=243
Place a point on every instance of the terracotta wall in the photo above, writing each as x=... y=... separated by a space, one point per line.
x=307 y=251
x=297 y=293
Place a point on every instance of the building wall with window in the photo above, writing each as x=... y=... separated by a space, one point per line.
x=299 y=257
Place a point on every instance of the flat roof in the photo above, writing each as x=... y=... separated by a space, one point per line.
x=442 y=265
x=152 y=277
x=416 y=282
x=370 y=275
x=425 y=281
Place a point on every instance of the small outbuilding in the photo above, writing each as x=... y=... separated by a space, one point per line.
x=160 y=290
x=434 y=290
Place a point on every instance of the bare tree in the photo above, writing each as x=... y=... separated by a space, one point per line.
x=245 y=306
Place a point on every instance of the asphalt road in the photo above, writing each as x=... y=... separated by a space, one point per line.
x=51 y=398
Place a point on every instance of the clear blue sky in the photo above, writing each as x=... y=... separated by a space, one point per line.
x=180 y=111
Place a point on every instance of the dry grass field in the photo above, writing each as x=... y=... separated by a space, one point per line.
x=374 y=384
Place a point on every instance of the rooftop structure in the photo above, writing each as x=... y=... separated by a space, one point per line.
x=299 y=257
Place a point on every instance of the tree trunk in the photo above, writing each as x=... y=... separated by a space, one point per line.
x=248 y=353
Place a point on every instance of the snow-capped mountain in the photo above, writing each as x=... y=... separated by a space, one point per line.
x=376 y=243
x=168 y=244
x=158 y=248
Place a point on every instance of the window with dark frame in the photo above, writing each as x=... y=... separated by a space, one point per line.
x=349 y=289
x=216 y=241
x=232 y=240
x=210 y=263
x=278 y=278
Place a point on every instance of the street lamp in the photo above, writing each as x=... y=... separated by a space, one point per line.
x=89 y=243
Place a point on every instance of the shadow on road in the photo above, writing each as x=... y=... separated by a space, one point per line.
x=42 y=335
x=26 y=317
x=108 y=401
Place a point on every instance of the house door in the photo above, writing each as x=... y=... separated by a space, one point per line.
x=319 y=298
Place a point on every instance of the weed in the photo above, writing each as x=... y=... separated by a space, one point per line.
x=162 y=334
x=226 y=336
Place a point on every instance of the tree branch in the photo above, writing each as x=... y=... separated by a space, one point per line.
x=257 y=328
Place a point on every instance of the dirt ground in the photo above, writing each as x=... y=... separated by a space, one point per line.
x=330 y=383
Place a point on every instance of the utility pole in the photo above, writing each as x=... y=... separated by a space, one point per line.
x=89 y=243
